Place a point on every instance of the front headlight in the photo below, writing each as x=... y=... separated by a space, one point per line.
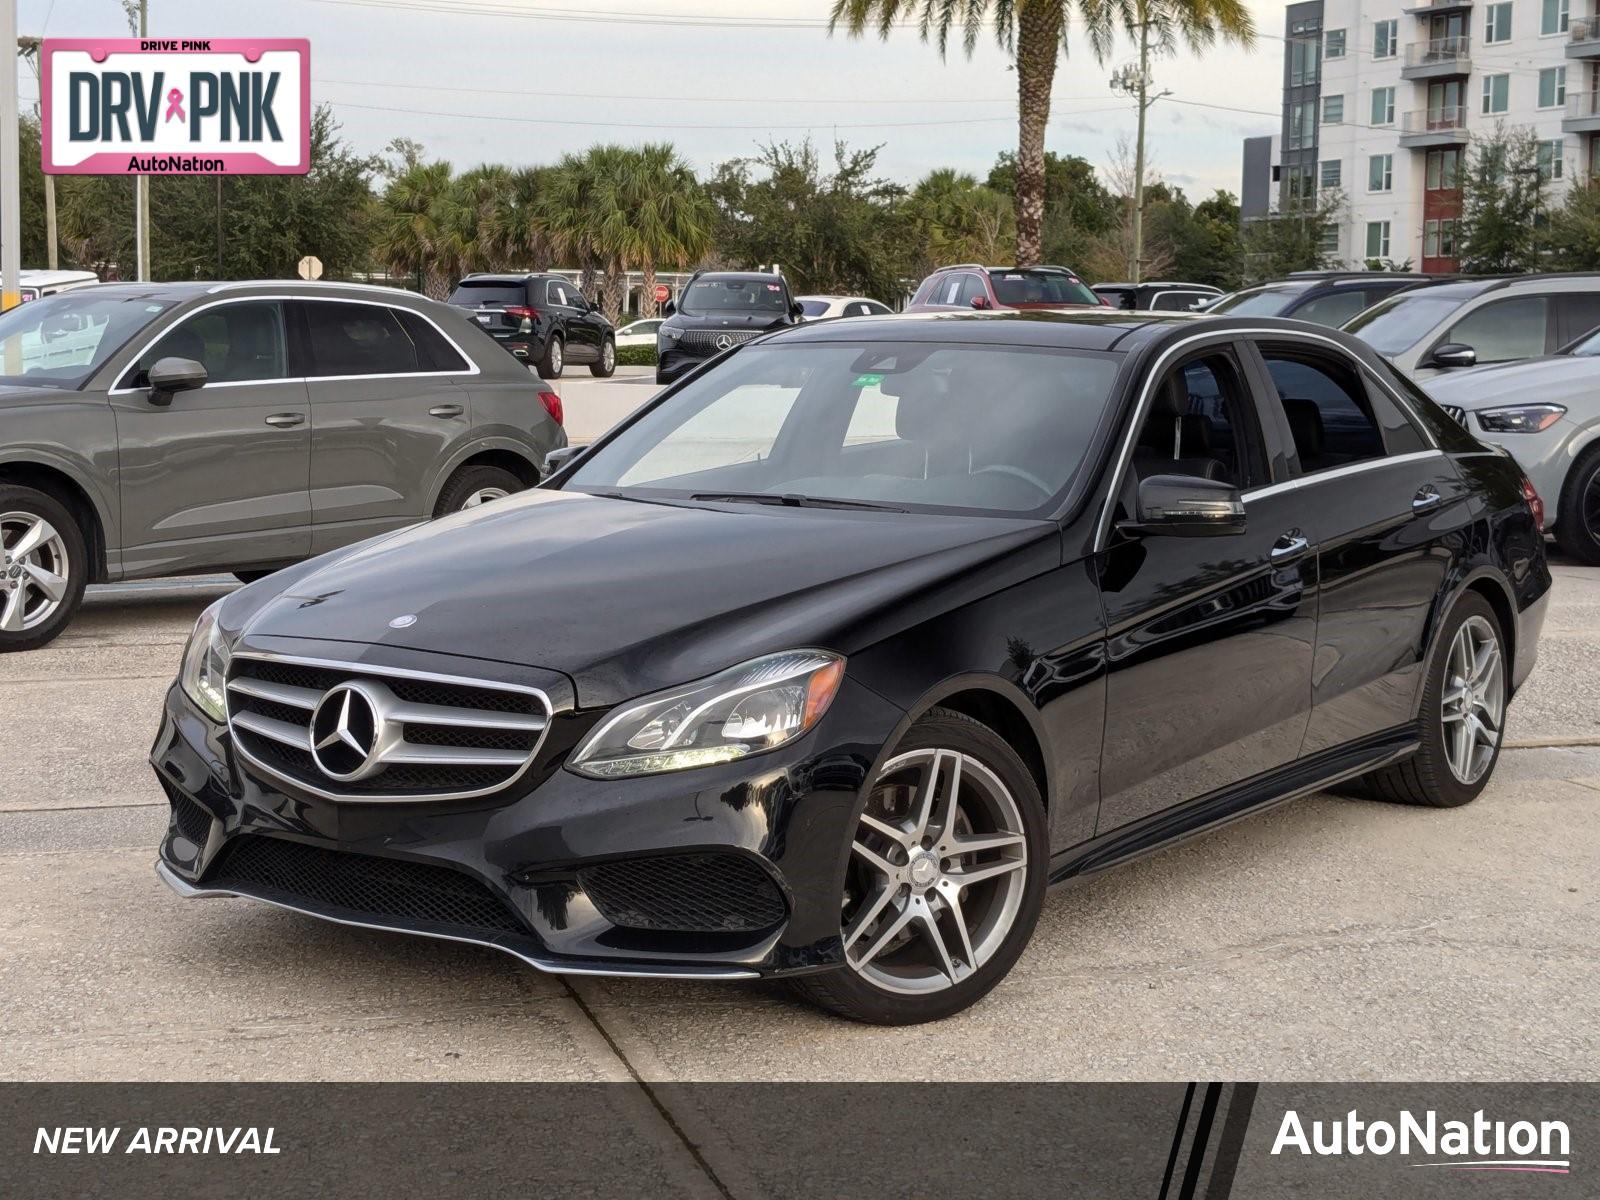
x=745 y=710
x=204 y=674
x=1521 y=418
x=669 y=334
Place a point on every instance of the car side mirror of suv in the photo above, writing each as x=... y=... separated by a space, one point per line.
x=170 y=376
x=1187 y=506
x=1454 y=354
x=561 y=458
x=980 y=302
x=797 y=310
x=669 y=308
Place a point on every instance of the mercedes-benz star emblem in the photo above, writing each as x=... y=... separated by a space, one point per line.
x=724 y=341
x=344 y=733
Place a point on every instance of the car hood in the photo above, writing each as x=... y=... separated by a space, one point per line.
x=628 y=597
x=728 y=321
x=1556 y=379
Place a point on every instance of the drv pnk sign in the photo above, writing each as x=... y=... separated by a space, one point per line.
x=158 y=106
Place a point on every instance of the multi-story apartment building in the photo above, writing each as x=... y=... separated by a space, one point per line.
x=1381 y=99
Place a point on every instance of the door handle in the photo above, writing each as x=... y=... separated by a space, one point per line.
x=1427 y=496
x=1291 y=545
x=286 y=420
x=446 y=410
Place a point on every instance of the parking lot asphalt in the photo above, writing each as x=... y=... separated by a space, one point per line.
x=1328 y=939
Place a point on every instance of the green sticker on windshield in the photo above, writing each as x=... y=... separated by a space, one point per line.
x=866 y=381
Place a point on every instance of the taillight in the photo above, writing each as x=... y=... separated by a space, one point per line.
x=1535 y=505
x=521 y=311
x=552 y=405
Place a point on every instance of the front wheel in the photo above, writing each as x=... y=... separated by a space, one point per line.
x=44 y=565
x=607 y=366
x=945 y=880
x=1578 y=528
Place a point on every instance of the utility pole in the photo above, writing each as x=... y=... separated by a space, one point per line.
x=10 y=171
x=1136 y=82
x=141 y=183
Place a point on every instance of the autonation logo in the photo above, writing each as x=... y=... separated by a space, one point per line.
x=1477 y=1145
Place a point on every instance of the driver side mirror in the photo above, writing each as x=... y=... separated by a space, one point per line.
x=1454 y=354
x=560 y=459
x=980 y=302
x=670 y=307
x=170 y=376
x=796 y=309
x=1187 y=506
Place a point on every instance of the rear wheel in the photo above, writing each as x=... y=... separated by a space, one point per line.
x=1578 y=528
x=554 y=359
x=945 y=880
x=471 y=487
x=1463 y=715
x=607 y=365
x=44 y=565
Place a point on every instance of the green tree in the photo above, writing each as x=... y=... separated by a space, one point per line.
x=1291 y=239
x=1034 y=33
x=1502 y=203
x=672 y=216
x=419 y=223
x=1573 y=235
x=958 y=219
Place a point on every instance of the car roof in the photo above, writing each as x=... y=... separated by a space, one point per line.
x=742 y=276
x=1089 y=329
x=1169 y=284
x=44 y=278
x=504 y=277
x=178 y=292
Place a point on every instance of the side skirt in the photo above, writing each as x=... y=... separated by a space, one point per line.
x=1219 y=808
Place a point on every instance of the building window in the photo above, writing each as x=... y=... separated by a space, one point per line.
x=1385 y=38
x=1498 y=26
x=1333 y=110
x=1305 y=60
x=1430 y=239
x=1552 y=87
x=1332 y=173
x=1553 y=17
x=1383 y=106
x=1447 y=238
x=1380 y=173
x=1333 y=44
x=1302 y=125
x=1550 y=158
x=1328 y=239
x=1377 y=239
x=1299 y=183
x=1496 y=93
x=1441 y=170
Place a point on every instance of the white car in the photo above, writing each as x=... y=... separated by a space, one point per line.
x=36 y=284
x=639 y=333
x=820 y=308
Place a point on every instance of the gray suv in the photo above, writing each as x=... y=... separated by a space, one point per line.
x=162 y=429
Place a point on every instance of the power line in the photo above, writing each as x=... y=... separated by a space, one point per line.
x=597 y=16
x=675 y=98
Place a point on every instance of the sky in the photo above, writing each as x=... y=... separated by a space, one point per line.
x=522 y=81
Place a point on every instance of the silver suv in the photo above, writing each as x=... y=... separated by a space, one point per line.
x=162 y=429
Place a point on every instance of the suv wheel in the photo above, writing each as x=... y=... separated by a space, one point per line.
x=945 y=879
x=552 y=362
x=1462 y=719
x=471 y=487
x=607 y=365
x=1578 y=527
x=44 y=565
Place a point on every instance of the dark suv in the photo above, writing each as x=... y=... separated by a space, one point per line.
x=972 y=286
x=717 y=311
x=542 y=319
x=1321 y=297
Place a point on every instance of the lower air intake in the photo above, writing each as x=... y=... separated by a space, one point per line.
x=685 y=893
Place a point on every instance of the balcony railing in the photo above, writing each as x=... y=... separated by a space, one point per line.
x=1583 y=29
x=1434 y=120
x=1582 y=104
x=1439 y=52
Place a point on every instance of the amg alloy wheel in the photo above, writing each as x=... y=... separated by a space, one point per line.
x=945 y=878
x=1474 y=702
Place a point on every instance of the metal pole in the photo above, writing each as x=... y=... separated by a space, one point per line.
x=10 y=172
x=141 y=183
x=219 y=226
x=52 y=252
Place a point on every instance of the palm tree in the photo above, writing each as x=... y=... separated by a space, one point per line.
x=486 y=204
x=1034 y=32
x=961 y=220
x=563 y=212
x=673 y=215
x=420 y=219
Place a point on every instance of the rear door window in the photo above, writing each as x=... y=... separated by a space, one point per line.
x=1505 y=330
x=1328 y=409
x=1332 y=310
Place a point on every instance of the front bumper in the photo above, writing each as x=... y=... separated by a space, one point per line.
x=673 y=361
x=1545 y=457
x=520 y=872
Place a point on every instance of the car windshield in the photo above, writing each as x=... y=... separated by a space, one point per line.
x=814 y=308
x=1588 y=346
x=1040 y=287
x=756 y=297
x=916 y=426
x=1258 y=302
x=471 y=293
x=60 y=341
x=1400 y=322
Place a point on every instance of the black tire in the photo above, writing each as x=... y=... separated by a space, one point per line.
x=849 y=994
x=1426 y=778
x=554 y=359
x=1577 y=530
x=469 y=482
x=31 y=502
x=606 y=366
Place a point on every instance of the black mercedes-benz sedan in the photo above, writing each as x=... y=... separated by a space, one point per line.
x=827 y=661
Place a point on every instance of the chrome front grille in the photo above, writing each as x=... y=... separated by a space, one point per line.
x=352 y=732
x=712 y=339
x=1456 y=414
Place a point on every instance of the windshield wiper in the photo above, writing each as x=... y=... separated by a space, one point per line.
x=791 y=500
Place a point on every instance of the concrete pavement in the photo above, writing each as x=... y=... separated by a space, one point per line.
x=1328 y=939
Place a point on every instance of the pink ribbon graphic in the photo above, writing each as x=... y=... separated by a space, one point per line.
x=175 y=105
